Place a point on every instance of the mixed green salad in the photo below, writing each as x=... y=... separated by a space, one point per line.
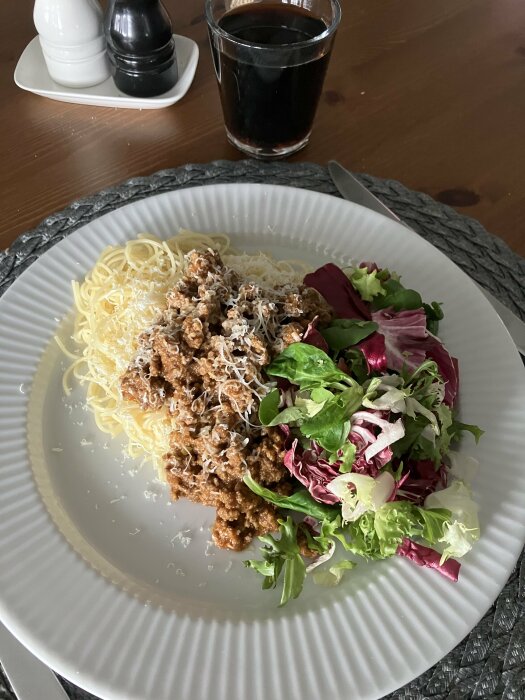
x=366 y=404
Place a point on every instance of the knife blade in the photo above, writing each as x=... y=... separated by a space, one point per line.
x=29 y=677
x=352 y=190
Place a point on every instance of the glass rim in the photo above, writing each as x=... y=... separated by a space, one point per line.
x=330 y=29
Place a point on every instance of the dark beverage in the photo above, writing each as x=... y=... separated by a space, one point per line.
x=269 y=99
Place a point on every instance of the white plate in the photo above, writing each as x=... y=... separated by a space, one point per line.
x=102 y=587
x=31 y=74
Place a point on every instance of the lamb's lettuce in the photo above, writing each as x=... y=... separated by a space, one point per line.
x=300 y=501
x=344 y=332
x=308 y=367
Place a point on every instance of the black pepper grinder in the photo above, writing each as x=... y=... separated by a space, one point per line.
x=140 y=47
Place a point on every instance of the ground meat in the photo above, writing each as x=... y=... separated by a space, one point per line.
x=140 y=385
x=204 y=359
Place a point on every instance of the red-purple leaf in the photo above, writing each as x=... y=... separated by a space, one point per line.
x=332 y=283
x=311 y=470
x=425 y=556
x=408 y=344
x=405 y=333
x=313 y=337
x=421 y=479
x=373 y=348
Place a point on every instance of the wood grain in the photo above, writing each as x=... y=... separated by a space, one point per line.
x=428 y=93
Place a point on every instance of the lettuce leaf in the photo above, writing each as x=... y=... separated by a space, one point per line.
x=269 y=406
x=307 y=366
x=344 y=332
x=462 y=528
x=433 y=521
x=366 y=282
x=300 y=501
x=333 y=575
x=378 y=535
x=368 y=494
x=397 y=297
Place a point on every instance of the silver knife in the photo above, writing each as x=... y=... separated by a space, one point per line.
x=352 y=190
x=29 y=677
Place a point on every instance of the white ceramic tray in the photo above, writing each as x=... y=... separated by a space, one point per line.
x=31 y=74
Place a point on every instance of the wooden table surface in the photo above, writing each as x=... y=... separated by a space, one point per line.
x=428 y=92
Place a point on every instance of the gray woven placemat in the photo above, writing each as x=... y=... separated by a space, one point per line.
x=489 y=664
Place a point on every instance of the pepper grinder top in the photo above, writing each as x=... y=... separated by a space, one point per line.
x=140 y=47
x=72 y=39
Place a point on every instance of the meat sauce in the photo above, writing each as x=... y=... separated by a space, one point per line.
x=204 y=359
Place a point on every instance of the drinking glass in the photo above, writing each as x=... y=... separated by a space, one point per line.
x=270 y=58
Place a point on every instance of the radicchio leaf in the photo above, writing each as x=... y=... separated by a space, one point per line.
x=332 y=283
x=408 y=343
x=313 y=337
x=377 y=444
x=374 y=350
x=421 y=479
x=311 y=470
x=404 y=333
x=425 y=556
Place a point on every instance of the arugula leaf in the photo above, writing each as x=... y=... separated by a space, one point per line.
x=269 y=407
x=266 y=568
x=331 y=529
x=307 y=366
x=422 y=376
x=404 y=447
x=294 y=575
x=456 y=428
x=281 y=554
x=344 y=332
x=300 y=501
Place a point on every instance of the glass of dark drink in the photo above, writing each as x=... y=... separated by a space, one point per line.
x=270 y=57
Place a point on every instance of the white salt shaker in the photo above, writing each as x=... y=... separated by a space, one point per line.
x=72 y=39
